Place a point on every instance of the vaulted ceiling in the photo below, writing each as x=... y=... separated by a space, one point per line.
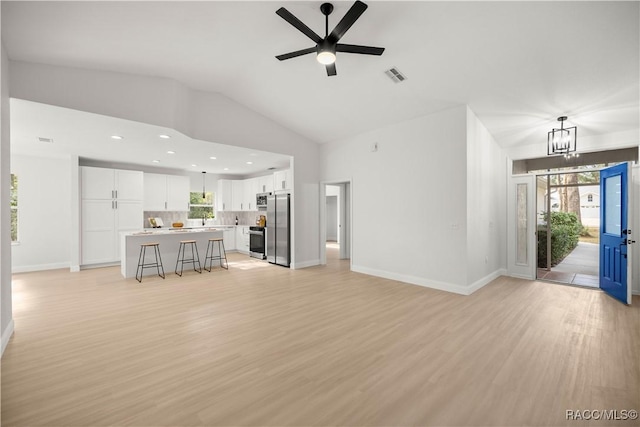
x=518 y=65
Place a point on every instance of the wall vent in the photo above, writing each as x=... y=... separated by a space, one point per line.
x=395 y=75
x=271 y=169
x=42 y=139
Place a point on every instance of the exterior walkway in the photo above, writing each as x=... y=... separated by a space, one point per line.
x=580 y=267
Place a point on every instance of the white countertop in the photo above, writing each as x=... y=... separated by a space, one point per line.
x=160 y=231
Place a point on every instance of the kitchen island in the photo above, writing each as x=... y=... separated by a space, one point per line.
x=169 y=240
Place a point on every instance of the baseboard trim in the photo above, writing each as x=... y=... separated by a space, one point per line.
x=6 y=336
x=40 y=267
x=305 y=264
x=519 y=276
x=486 y=280
x=413 y=280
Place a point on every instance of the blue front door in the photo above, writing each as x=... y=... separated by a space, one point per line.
x=614 y=232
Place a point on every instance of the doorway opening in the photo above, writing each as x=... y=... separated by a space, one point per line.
x=568 y=226
x=335 y=239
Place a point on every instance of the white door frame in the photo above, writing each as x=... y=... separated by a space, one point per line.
x=346 y=237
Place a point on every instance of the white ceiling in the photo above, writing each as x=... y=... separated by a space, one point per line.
x=89 y=135
x=518 y=65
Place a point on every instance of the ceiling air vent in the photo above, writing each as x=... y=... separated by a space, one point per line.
x=49 y=140
x=395 y=75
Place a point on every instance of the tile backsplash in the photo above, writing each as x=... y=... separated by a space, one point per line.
x=222 y=218
x=244 y=218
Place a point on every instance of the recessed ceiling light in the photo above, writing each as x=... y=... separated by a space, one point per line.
x=195 y=166
x=171 y=152
x=249 y=163
x=213 y=158
x=155 y=161
x=226 y=169
x=164 y=136
x=254 y=154
x=116 y=137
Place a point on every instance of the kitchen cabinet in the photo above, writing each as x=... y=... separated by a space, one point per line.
x=237 y=195
x=242 y=239
x=166 y=192
x=265 y=184
x=224 y=197
x=250 y=190
x=178 y=193
x=229 y=238
x=282 y=180
x=109 y=207
x=106 y=184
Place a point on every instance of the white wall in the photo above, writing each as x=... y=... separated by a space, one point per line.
x=6 y=316
x=200 y=115
x=409 y=198
x=44 y=209
x=486 y=204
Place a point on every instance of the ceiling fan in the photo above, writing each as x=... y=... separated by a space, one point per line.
x=327 y=47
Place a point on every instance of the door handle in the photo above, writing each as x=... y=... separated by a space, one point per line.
x=624 y=243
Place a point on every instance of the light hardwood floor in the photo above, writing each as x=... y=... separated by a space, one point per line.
x=265 y=345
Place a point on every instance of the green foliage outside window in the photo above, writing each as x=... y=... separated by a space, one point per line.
x=565 y=233
x=201 y=207
x=14 y=208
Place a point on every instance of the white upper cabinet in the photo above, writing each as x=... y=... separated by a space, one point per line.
x=250 y=190
x=97 y=183
x=237 y=198
x=104 y=184
x=266 y=184
x=178 y=193
x=282 y=180
x=224 y=196
x=166 y=192
x=129 y=185
x=155 y=192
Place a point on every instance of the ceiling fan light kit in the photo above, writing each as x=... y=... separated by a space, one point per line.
x=327 y=47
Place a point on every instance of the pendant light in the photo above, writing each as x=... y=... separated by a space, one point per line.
x=563 y=140
x=204 y=174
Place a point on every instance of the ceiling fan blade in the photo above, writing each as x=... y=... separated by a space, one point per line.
x=296 y=53
x=353 y=48
x=347 y=21
x=288 y=16
x=331 y=69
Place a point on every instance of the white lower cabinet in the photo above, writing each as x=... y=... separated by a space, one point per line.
x=242 y=239
x=229 y=236
x=102 y=223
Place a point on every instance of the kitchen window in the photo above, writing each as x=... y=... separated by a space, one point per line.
x=200 y=207
x=14 y=208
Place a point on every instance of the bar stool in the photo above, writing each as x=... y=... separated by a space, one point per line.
x=141 y=265
x=195 y=257
x=222 y=254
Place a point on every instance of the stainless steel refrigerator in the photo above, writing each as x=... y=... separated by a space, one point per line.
x=278 y=232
